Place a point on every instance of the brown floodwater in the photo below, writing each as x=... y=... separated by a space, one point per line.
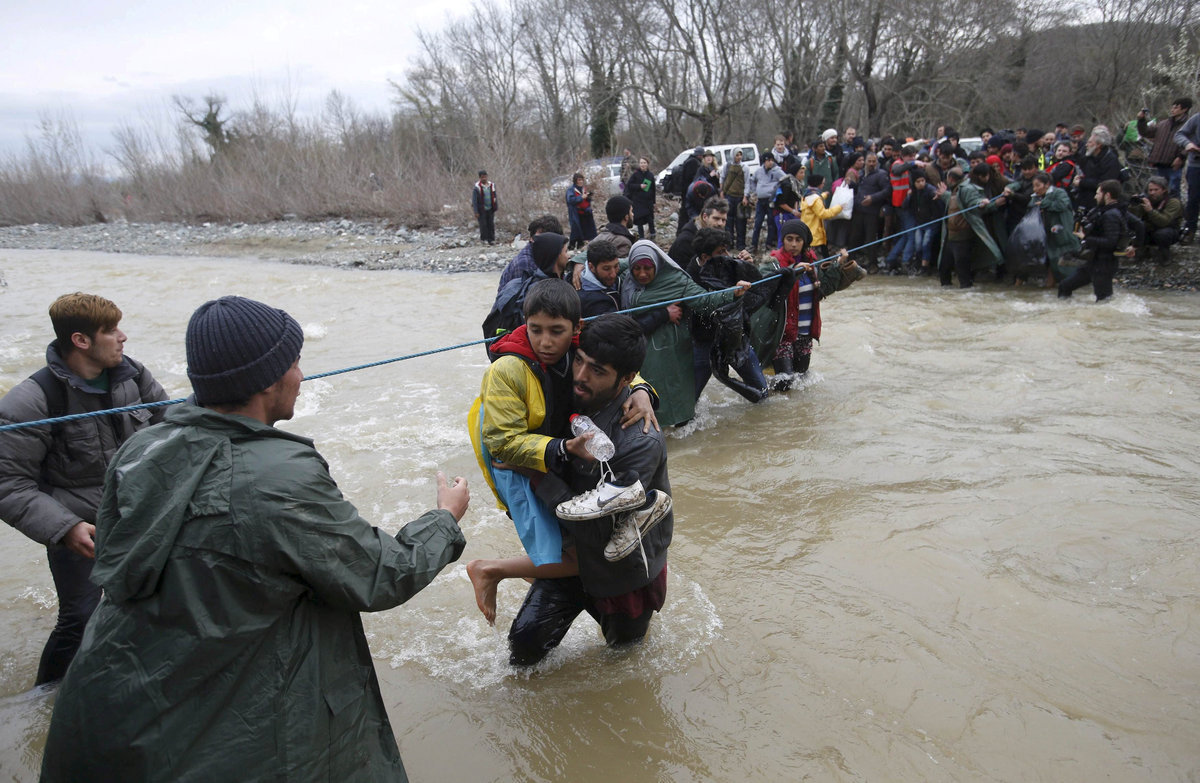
x=966 y=549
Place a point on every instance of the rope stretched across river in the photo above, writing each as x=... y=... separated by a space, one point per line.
x=141 y=406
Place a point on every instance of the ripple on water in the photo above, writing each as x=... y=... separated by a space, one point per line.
x=1130 y=304
x=719 y=405
x=459 y=647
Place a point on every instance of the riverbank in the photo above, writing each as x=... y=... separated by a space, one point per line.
x=383 y=245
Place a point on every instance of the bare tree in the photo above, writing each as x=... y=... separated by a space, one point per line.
x=217 y=132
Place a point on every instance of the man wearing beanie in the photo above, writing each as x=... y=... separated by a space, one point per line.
x=550 y=256
x=619 y=211
x=228 y=645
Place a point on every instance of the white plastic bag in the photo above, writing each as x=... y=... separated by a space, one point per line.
x=843 y=196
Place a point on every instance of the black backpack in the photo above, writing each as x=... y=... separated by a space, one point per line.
x=507 y=311
x=668 y=182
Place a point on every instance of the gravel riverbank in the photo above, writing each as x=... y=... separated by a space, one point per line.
x=380 y=245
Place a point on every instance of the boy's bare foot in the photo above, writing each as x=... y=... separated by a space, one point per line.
x=485 y=589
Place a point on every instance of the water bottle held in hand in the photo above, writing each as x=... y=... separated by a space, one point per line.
x=599 y=445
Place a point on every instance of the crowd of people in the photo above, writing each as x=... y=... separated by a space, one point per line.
x=896 y=203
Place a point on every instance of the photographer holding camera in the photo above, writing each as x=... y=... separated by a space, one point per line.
x=1165 y=155
x=1155 y=217
x=1103 y=231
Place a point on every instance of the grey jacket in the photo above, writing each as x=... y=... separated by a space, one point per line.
x=1190 y=134
x=763 y=182
x=51 y=478
x=645 y=455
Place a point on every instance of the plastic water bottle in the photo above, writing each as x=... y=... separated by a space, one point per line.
x=599 y=445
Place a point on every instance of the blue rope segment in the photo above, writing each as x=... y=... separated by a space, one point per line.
x=20 y=425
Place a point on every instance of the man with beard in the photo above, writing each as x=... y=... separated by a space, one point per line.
x=1098 y=164
x=51 y=476
x=619 y=211
x=621 y=595
x=1155 y=219
x=714 y=214
x=1102 y=233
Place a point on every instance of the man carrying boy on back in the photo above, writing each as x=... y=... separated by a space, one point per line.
x=519 y=426
x=622 y=593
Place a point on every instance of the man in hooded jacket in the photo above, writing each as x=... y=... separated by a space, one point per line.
x=228 y=644
x=619 y=211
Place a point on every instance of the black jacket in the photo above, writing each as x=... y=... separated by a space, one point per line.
x=681 y=248
x=646 y=455
x=878 y=187
x=1095 y=169
x=687 y=173
x=717 y=274
x=642 y=197
x=1104 y=228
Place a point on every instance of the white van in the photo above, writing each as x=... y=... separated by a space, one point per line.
x=724 y=154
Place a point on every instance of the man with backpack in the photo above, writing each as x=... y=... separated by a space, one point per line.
x=550 y=255
x=51 y=476
x=1104 y=234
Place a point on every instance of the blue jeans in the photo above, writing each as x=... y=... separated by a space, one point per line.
x=902 y=251
x=1173 y=176
x=922 y=242
x=762 y=214
x=749 y=368
x=1193 y=204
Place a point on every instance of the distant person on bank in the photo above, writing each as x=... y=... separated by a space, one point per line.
x=228 y=645
x=485 y=203
x=51 y=476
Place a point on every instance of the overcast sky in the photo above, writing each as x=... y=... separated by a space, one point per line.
x=120 y=60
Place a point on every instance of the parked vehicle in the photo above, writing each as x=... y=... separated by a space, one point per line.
x=723 y=153
x=971 y=143
x=602 y=175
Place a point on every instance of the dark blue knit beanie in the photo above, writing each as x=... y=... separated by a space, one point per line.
x=236 y=347
x=547 y=247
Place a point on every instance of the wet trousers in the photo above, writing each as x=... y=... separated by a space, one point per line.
x=1099 y=273
x=551 y=605
x=77 y=599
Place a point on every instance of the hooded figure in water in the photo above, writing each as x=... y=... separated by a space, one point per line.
x=228 y=644
x=653 y=278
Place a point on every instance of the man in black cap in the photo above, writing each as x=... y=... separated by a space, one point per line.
x=228 y=644
x=619 y=211
x=483 y=202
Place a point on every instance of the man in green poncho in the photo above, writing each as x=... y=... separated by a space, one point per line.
x=228 y=644
x=967 y=245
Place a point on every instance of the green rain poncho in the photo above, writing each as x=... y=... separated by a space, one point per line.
x=669 y=365
x=228 y=645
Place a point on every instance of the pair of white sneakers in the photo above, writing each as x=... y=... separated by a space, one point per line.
x=635 y=513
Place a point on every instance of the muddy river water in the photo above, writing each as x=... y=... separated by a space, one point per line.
x=967 y=549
